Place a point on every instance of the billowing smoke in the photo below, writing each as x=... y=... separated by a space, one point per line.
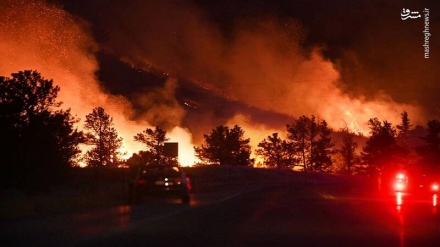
x=262 y=62
x=43 y=37
x=160 y=105
x=275 y=64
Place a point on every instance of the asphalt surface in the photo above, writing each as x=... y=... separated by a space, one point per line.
x=327 y=213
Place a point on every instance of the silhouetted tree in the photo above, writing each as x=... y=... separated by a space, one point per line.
x=135 y=160
x=322 y=147
x=433 y=136
x=276 y=152
x=103 y=138
x=298 y=134
x=154 y=140
x=312 y=142
x=225 y=146
x=407 y=151
x=381 y=147
x=134 y=163
x=39 y=142
x=431 y=151
x=348 y=150
x=403 y=129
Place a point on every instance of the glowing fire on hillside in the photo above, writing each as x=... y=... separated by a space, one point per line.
x=42 y=37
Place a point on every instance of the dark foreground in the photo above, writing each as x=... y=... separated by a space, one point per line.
x=326 y=213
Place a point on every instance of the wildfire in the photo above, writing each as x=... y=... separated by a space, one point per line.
x=42 y=37
x=352 y=123
x=186 y=149
x=262 y=67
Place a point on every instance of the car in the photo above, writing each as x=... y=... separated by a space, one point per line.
x=418 y=182
x=415 y=181
x=160 y=181
x=427 y=181
x=400 y=182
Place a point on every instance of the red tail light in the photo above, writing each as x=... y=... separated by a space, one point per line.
x=188 y=184
x=435 y=187
x=399 y=186
x=399 y=198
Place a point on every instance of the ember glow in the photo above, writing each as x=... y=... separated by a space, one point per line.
x=263 y=63
x=42 y=37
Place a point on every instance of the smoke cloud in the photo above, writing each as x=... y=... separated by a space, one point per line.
x=264 y=63
x=275 y=63
x=43 y=37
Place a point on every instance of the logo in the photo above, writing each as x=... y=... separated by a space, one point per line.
x=408 y=14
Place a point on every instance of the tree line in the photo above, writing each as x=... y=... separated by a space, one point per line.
x=40 y=142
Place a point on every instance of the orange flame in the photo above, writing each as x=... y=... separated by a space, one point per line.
x=254 y=70
x=42 y=37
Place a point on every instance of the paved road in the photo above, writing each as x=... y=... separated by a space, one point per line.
x=329 y=214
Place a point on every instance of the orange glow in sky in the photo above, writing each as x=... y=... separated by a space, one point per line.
x=263 y=67
x=42 y=37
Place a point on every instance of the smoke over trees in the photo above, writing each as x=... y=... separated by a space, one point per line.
x=268 y=55
x=32 y=126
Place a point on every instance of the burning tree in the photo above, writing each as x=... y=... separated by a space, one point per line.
x=154 y=140
x=312 y=142
x=276 y=152
x=104 y=139
x=39 y=142
x=225 y=146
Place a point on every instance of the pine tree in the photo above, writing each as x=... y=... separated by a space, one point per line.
x=225 y=146
x=275 y=151
x=39 y=142
x=381 y=148
x=154 y=141
x=431 y=151
x=403 y=130
x=348 y=150
x=312 y=142
x=103 y=138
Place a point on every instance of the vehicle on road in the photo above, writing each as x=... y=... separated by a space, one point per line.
x=160 y=181
x=417 y=182
x=400 y=182
x=426 y=181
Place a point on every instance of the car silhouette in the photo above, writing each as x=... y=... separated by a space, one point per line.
x=160 y=181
